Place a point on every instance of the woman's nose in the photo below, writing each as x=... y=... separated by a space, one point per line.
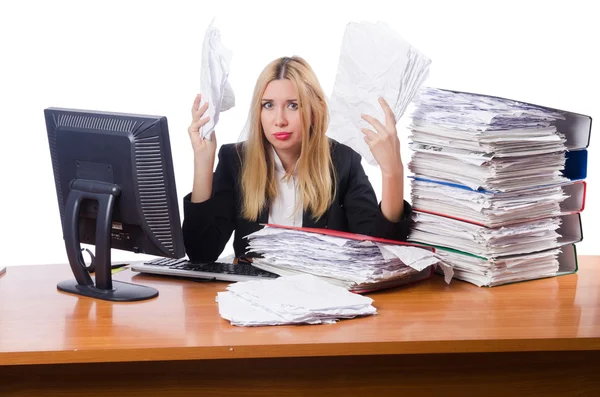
x=280 y=119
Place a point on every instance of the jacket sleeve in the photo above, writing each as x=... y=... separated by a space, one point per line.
x=364 y=214
x=207 y=226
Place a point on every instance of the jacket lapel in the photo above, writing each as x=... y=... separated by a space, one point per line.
x=308 y=220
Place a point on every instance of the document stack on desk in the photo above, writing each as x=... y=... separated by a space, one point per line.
x=496 y=144
x=495 y=271
x=497 y=185
x=522 y=238
x=355 y=262
x=488 y=208
x=300 y=299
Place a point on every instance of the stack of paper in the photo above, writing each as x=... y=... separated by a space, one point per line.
x=374 y=62
x=497 y=271
x=467 y=111
x=483 y=241
x=487 y=184
x=356 y=263
x=301 y=299
x=484 y=142
x=485 y=208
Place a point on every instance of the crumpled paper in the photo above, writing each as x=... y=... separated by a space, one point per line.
x=214 y=83
x=374 y=62
x=298 y=299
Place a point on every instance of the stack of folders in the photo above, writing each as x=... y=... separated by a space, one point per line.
x=498 y=185
x=355 y=262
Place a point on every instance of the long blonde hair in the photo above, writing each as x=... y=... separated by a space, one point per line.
x=315 y=171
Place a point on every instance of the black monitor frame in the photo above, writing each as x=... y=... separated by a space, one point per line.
x=115 y=171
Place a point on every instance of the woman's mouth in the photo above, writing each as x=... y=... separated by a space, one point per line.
x=282 y=136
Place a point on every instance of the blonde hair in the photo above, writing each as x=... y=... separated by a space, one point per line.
x=316 y=176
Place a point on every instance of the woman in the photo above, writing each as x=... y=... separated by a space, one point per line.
x=289 y=172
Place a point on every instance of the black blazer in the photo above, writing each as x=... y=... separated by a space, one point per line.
x=207 y=226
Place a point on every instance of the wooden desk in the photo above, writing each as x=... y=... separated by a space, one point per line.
x=430 y=339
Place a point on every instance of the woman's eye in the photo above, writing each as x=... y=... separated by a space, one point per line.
x=267 y=105
x=293 y=106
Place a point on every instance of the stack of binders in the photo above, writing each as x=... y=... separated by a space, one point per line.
x=498 y=185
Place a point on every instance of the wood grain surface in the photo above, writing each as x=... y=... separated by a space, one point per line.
x=40 y=325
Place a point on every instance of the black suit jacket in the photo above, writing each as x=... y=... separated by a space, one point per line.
x=207 y=226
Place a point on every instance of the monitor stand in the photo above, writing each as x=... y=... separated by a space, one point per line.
x=104 y=288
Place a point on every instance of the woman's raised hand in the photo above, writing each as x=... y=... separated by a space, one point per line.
x=204 y=149
x=385 y=146
x=384 y=143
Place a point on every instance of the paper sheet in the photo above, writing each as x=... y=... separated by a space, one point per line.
x=374 y=62
x=290 y=300
x=214 y=83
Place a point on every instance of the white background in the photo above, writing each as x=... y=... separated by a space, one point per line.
x=144 y=57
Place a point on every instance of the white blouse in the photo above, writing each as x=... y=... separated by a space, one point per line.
x=286 y=209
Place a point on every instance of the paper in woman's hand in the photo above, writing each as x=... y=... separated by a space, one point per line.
x=214 y=74
x=374 y=62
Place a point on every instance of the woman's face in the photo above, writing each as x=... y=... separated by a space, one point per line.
x=280 y=116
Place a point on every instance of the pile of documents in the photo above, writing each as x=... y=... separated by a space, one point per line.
x=300 y=299
x=488 y=184
x=497 y=271
x=355 y=262
x=484 y=142
x=488 y=242
x=487 y=208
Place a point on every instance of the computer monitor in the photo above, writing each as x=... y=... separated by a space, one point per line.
x=115 y=186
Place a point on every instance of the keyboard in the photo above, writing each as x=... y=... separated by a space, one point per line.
x=211 y=271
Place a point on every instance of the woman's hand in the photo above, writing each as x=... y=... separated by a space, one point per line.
x=204 y=149
x=204 y=153
x=384 y=144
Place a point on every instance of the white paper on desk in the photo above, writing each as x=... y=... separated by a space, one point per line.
x=214 y=83
x=374 y=62
x=290 y=300
x=241 y=312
